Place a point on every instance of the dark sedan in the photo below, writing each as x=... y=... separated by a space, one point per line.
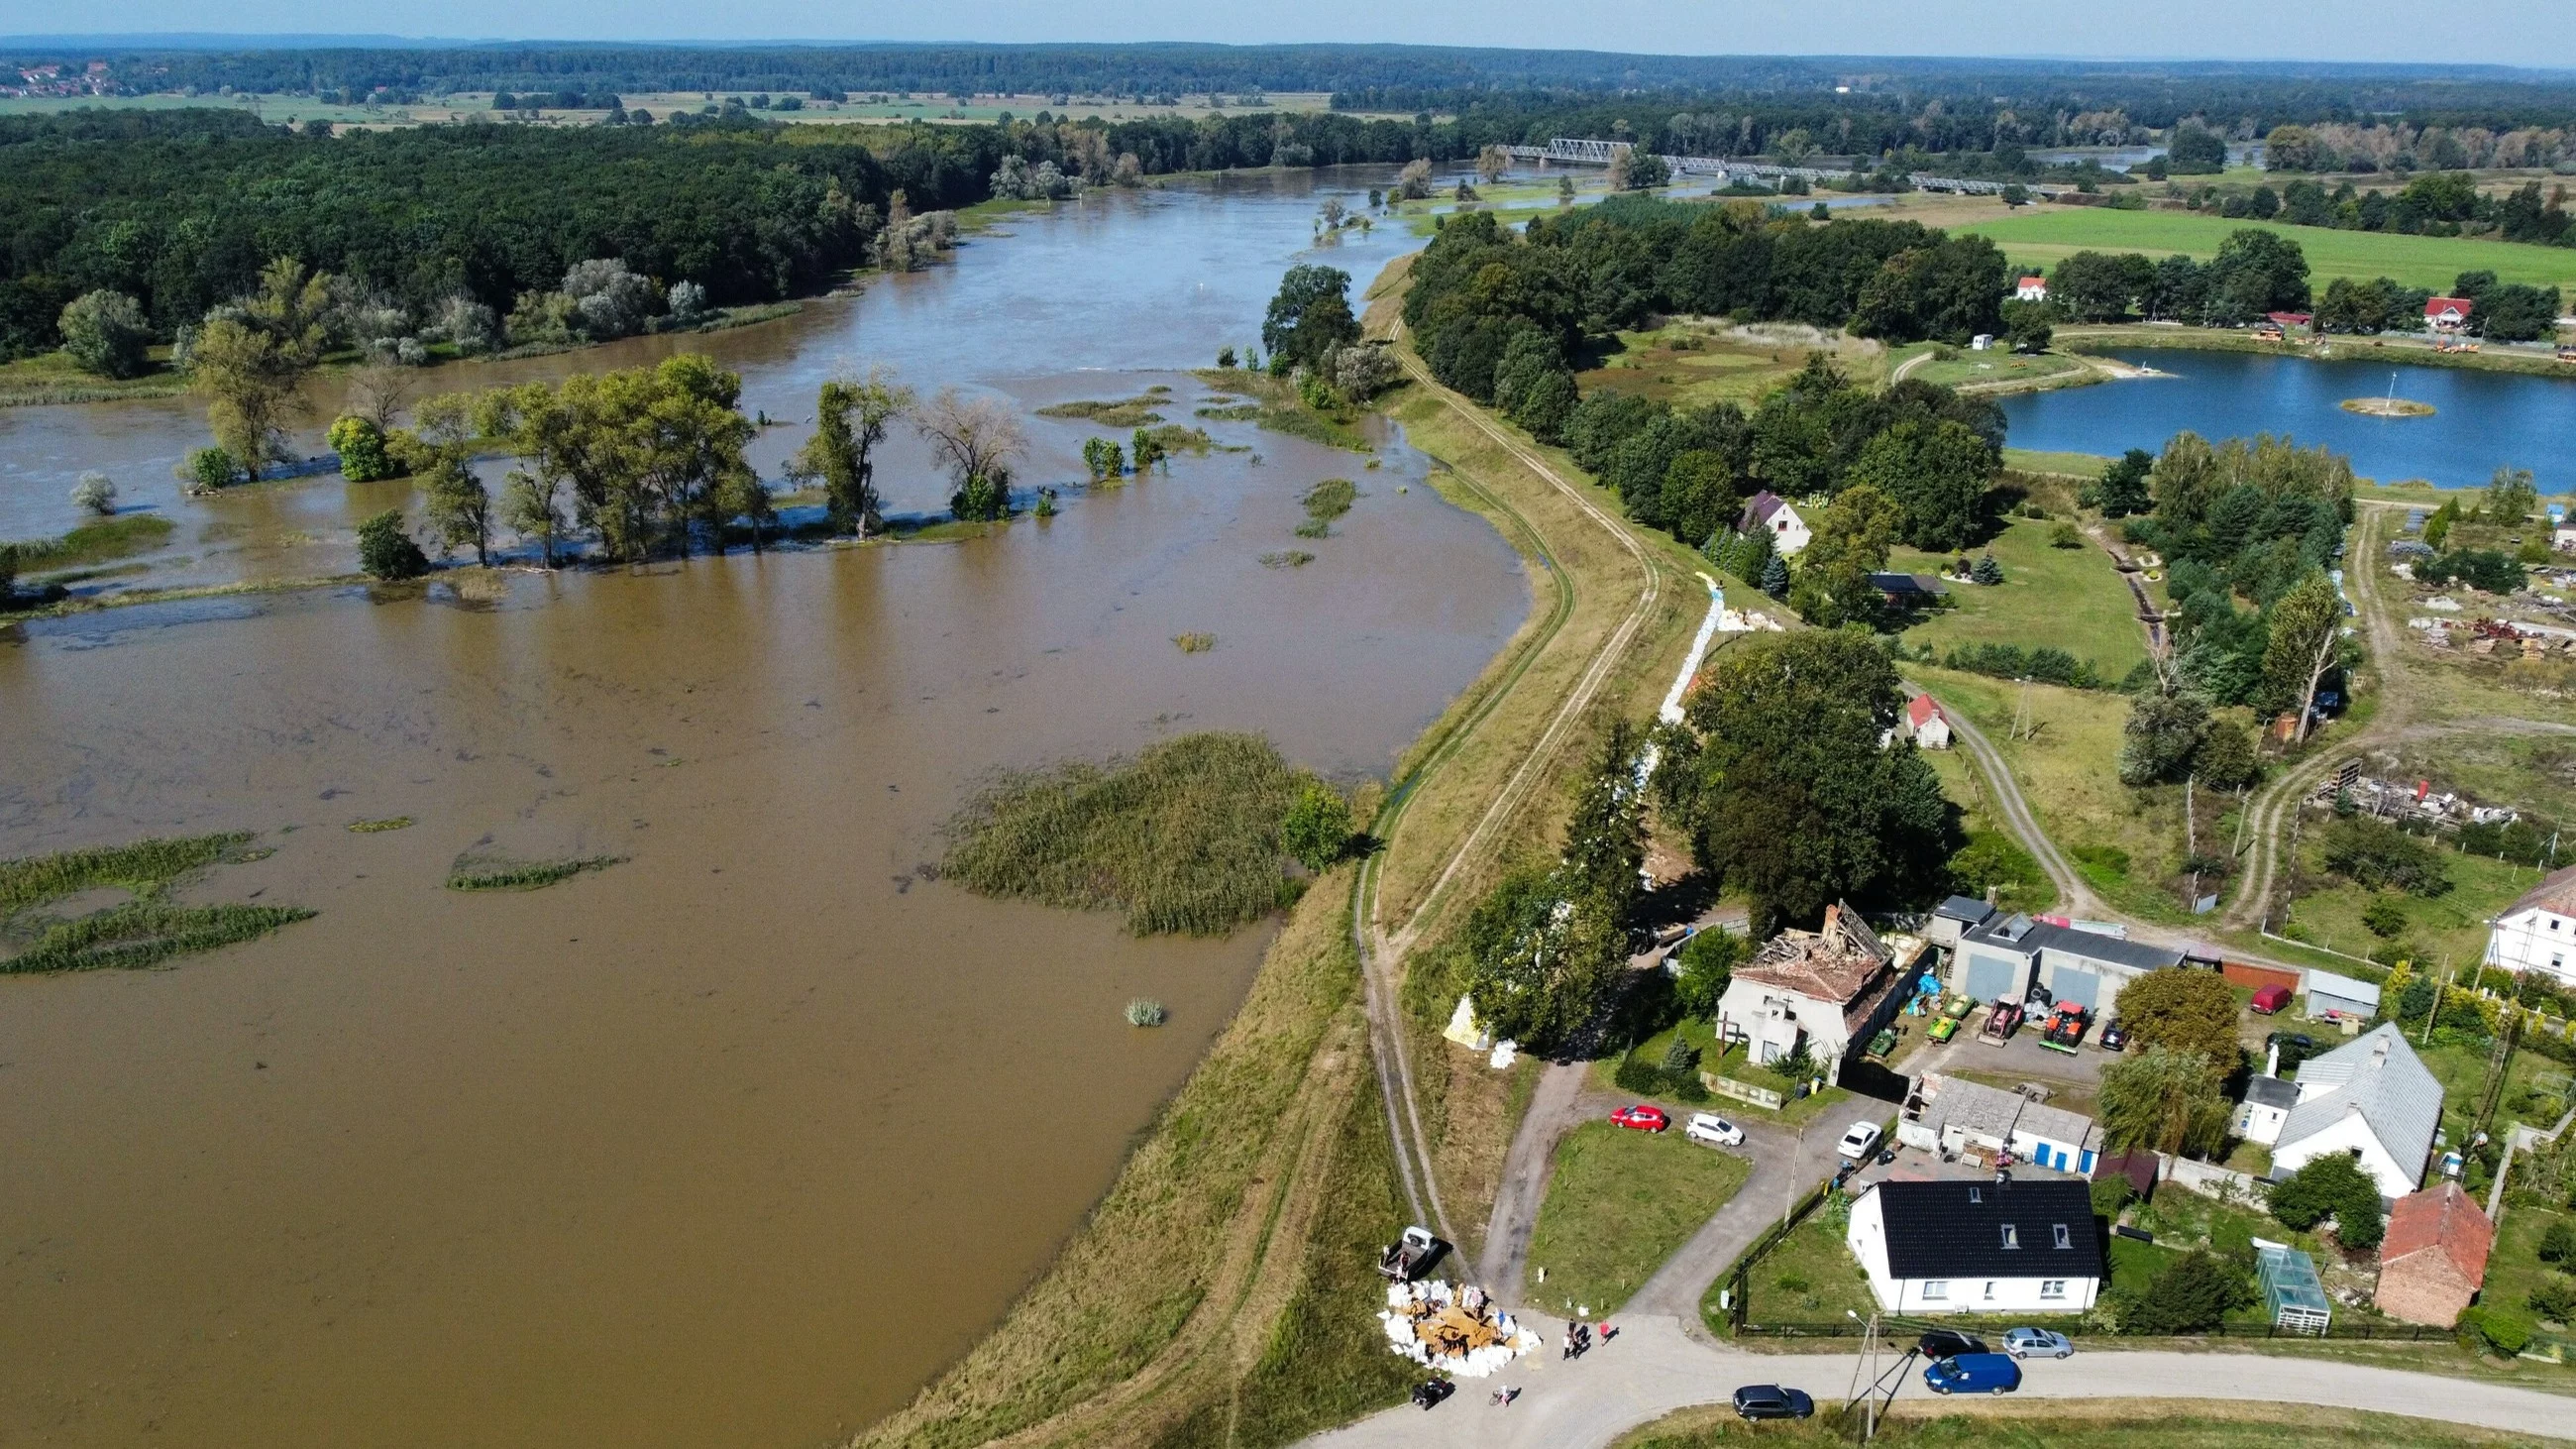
x=1770 y=1401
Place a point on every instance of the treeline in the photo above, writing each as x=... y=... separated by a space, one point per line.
x=181 y=209
x=2258 y=271
x=2446 y=203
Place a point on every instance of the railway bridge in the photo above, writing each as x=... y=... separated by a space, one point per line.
x=1579 y=151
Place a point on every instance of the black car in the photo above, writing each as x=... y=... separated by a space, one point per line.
x=1431 y=1393
x=2115 y=1037
x=1770 y=1401
x=1942 y=1343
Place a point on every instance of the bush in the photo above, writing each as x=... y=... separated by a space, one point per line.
x=364 y=458
x=2506 y=1333
x=95 y=494
x=2377 y=855
x=1317 y=828
x=2192 y=1295
x=2331 y=1186
x=2385 y=916
x=2066 y=535
x=211 y=468
x=2111 y=1194
x=386 y=551
x=2558 y=1245
x=2554 y=1299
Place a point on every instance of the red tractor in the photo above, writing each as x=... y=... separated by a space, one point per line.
x=2066 y=1027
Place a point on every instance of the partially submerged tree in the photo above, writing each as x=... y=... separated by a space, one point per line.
x=851 y=415
x=250 y=359
x=440 y=452
x=977 y=439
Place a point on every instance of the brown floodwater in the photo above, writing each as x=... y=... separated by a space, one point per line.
x=738 y=1142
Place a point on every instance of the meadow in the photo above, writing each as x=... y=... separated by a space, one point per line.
x=2040 y=237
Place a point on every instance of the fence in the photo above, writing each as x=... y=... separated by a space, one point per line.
x=1742 y=1091
x=1761 y=1247
x=2390 y=1332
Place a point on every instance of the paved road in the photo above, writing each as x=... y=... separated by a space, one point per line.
x=1653 y=1368
x=1556 y=1104
x=1785 y=1166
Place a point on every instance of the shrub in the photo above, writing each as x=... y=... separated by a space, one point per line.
x=2554 y=1299
x=364 y=458
x=2192 y=1295
x=2331 y=1186
x=95 y=494
x=211 y=468
x=2558 y=1245
x=1317 y=828
x=1643 y=1078
x=1987 y=570
x=2066 y=535
x=2385 y=915
x=2507 y=1333
x=1146 y=1011
x=386 y=551
x=2378 y=855
x=2110 y=1194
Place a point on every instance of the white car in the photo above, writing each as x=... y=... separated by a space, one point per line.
x=1714 y=1130
x=1856 y=1143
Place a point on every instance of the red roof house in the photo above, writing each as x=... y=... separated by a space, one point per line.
x=1924 y=721
x=2434 y=1259
x=2448 y=314
x=2031 y=289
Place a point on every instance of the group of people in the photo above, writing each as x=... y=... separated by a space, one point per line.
x=1578 y=1339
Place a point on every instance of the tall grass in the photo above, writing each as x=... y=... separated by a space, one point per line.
x=146 y=933
x=144 y=867
x=1125 y=412
x=1184 y=838
x=102 y=541
x=469 y=874
x=1325 y=502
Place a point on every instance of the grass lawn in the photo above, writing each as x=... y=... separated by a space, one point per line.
x=2017 y=369
x=52 y=377
x=2127 y=843
x=2046 y=235
x=1810 y=1278
x=2070 y=598
x=1693 y=364
x=2451 y=926
x=2533 y=1087
x=1621 y=1202
x=1724 y=1062
x=2072 y=465
x=2055 y=1424
x=2514 y=1267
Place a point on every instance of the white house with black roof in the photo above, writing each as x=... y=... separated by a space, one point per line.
x=1979 y=1246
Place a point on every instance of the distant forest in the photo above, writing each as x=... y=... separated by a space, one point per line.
x=1399 y=78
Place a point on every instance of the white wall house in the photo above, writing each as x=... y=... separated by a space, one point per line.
x=1771 y=513
x=2370 y=1097
x=2538 y=932
x=2267 y=1105
x=2031 y=289
x=1979 y=1247
x=1820 y=987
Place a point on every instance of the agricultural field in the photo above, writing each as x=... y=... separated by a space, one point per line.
x=2067 y=598
x=2041 y=237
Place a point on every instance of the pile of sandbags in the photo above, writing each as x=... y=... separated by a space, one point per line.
x=1457 y=1331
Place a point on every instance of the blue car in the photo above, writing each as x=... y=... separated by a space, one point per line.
x=1972 y=1373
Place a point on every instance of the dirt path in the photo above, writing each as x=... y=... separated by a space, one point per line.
x=2073 y=897
x=1554 y=1109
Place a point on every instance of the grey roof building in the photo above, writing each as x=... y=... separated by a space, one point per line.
x=2372 y=1097
x=2005 y=956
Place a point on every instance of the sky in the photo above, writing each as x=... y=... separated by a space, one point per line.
x=2508 y=32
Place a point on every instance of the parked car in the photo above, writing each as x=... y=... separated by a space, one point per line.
x=1642 y=1117
x=2037 y=1342
x=2115 y=1037
x=1941 y=1343
x=1717 y=1131
x=1974 y=1373
x=1858 y=1141
x=2271 y=998
x=1770 y=1401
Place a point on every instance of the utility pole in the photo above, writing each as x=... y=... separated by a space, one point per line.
x=2436 y=1009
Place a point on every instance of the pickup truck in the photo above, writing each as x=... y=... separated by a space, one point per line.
x=1409 y=1256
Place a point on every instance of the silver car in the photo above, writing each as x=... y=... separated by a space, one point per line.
x=2036 y=1343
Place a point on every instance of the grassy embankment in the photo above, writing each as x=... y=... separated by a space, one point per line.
x=52 y=377
x=144 y=929
x=1221 y=1291
x=101 y=541
x=1695 y=362
x=2039 y=237
x=1997 y=370
x=1620 y=1203
x=2055 y=1424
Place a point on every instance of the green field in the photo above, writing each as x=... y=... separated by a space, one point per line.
x=2070 y=598
x=2451 y=926
x=1620 y=1204
x=2001 y=370
x=1811 y=1277
x=2045 y=236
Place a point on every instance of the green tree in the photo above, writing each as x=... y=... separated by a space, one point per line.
x=1849 y=541
x=2122 y=488
x=1540 y=963
x=439 y=450
x=2163 y=732
x=1937 y=473
x=364 y=457
x=2195 y=150
x=1788 y=795
x=1987 y=572
x=2161 y=1099
x=2385 y=916
x=250 y=360
x=2558 y=1244
x=2376 y=855
x=2225 y=758
x=1317 y=829
x=532 y=507
x=2331 y=1186
x=2193 y=1294
x=1310 y=315
x=105 y=333
x=2029 y=326
x=2306 y=634
x=2509 y=497
x=386 y=551
x=1708 y=961
x=2186 y=1011
x=851 y=415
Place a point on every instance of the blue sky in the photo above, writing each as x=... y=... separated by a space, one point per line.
x=2512 y=32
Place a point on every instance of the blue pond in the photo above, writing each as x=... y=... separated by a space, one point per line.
x=2482 y=420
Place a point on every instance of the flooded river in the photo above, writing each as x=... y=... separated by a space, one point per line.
x=739 y=1141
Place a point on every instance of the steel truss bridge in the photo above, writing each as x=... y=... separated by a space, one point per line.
x=1571 y=151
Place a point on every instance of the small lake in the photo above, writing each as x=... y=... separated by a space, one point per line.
x=2482 y=421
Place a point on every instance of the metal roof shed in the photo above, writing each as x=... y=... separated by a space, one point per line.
x=2341 y=996
x=2291 y=1291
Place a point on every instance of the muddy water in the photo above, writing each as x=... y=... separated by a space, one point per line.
x=739 y=1141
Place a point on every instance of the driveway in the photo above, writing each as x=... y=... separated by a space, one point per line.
x=1785 y=1166
x=1653 y=1368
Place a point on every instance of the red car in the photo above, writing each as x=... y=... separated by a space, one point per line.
x=1642 y=1117
x=2271 y=999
